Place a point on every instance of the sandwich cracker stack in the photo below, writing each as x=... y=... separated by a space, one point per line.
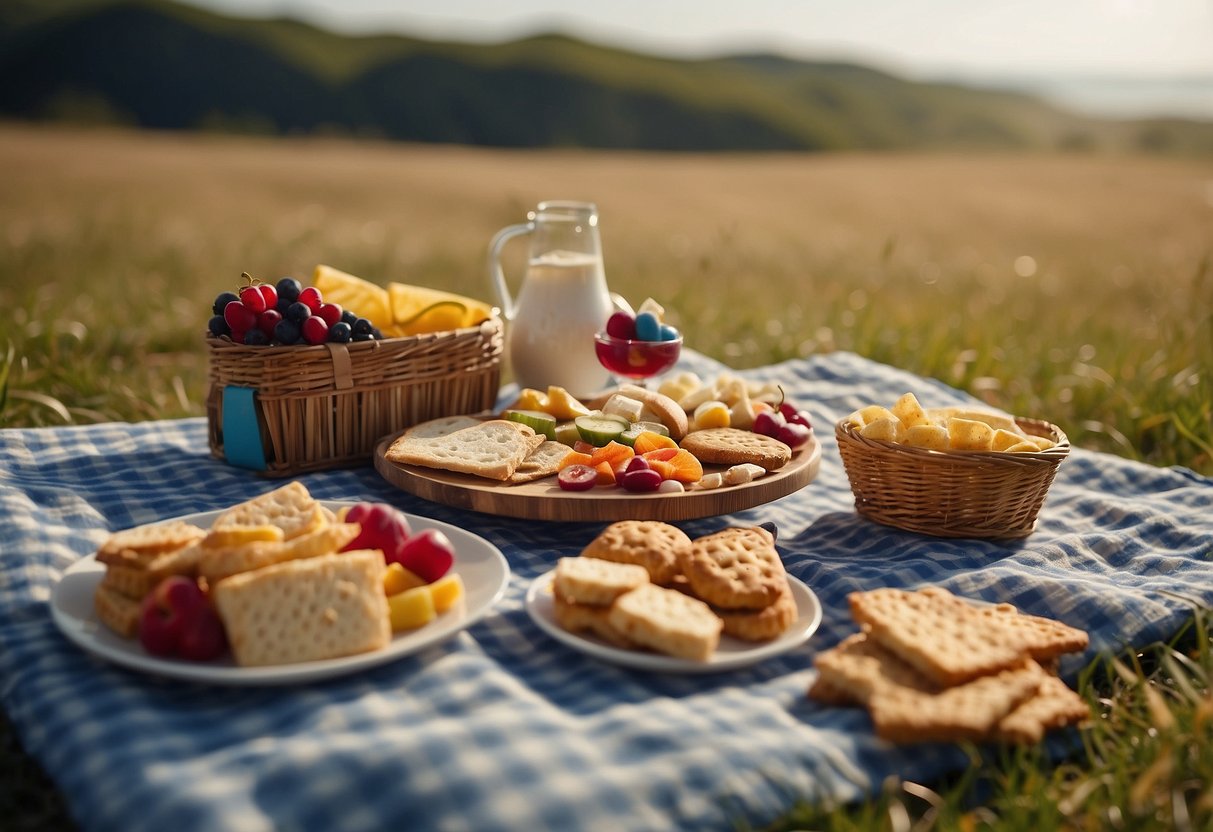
x=931 y=667
x=644 y=584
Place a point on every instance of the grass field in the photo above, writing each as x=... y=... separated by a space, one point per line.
x=1077 y=289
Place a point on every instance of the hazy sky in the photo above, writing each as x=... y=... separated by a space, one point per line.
x=1146 y=38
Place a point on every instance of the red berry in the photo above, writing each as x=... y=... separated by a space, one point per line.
x=645 y=479
x=251 y=297
x=267 y=320
x=769 y=423
x=315 y=330
x=239 y=317
x=270 y=294
x=577 y=477
x=794 y=435
x=310 y=297
x=621 y=325
x=330 y=313
x=427 y=554
x=794 y=416
x=383 y=528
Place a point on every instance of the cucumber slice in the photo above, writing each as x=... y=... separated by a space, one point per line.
x=537 y=420
x=567 y=433
x=628 y=437
x=600 y=429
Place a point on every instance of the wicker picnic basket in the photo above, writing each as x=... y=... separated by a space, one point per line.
x=976 y=494
x=321 y=407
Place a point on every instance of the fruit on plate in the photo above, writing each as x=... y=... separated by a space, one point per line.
x=383 y=527
x=428 y=554
x=411 y=609
x=176 y=620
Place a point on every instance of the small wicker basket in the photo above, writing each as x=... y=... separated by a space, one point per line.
x=326 y=406
x=977 y=494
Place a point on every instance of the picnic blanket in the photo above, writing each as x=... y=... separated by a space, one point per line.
x=501 y=727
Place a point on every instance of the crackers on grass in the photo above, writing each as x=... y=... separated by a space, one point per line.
x=929 y=666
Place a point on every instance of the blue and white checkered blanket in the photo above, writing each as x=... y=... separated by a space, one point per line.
x=501 y=727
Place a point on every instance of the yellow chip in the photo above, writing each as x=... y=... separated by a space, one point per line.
x=888 y=430
x=1003 y=439
x=872 y=413
x=910 y=412
x=1023 y=448
x=930 y=437
x=969 y=435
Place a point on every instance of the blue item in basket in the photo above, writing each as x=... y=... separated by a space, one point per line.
x=241 y=433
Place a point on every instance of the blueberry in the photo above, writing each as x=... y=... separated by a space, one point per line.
x=256 y=337
x=289 y=289
x=218 y=326
x=376 y=334
x=364 y=327
x=340 y=332
x=283 y=305
x=298 y=312
x=349 y=317
x=222 y=301
x=286 y=332
x=362 y=336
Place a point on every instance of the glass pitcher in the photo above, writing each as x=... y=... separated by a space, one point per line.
x=563 y=300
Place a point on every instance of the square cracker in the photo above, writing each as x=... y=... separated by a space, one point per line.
x=138 y=546
x=951 y=641
x=543 y=462
x=290 y=508
x=595 y=581
x=908 y=707
x=305 y=610
x=492 y=449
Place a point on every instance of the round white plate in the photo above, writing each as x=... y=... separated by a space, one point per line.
x=480 y=564
x=730 y=655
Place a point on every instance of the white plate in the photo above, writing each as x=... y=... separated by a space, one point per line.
x=480 y=564
x=730 y=655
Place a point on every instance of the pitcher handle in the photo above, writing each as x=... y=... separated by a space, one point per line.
x=496 y=275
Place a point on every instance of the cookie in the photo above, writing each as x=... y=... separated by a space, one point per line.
x=736 y=568
x=667 y=621
x=949 y=640
x=764 y=624
x=658 y=547
x=595 y=581
x=733 y=446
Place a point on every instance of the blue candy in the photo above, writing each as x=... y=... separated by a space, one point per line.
x=668 y=333
x=648 y=327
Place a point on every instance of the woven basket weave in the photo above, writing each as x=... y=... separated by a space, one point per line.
x=977 y=494
x=326 y=406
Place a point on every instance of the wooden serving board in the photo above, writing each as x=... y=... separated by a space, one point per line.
x=545 y=500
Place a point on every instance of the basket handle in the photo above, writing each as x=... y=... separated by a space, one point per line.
x=343 y=368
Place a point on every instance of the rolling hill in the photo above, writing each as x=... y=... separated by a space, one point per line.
x=161 y=65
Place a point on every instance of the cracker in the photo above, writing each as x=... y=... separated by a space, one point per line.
x=290 y=508
x=306 y=610
x=587 y=618
x=908 y=707
x=137 y=581
x=1053 y=706
x=733 y=446
x=138 y=546
x=542 y=462
x=667 y=621
x=764 y=624
x=1043 y=638
x=944 y=637
x=736 y=568
x=216 y=564
x=595 y=581
x=118 y=612
x=659 y=547
x=492 y=449
x=441 y=426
